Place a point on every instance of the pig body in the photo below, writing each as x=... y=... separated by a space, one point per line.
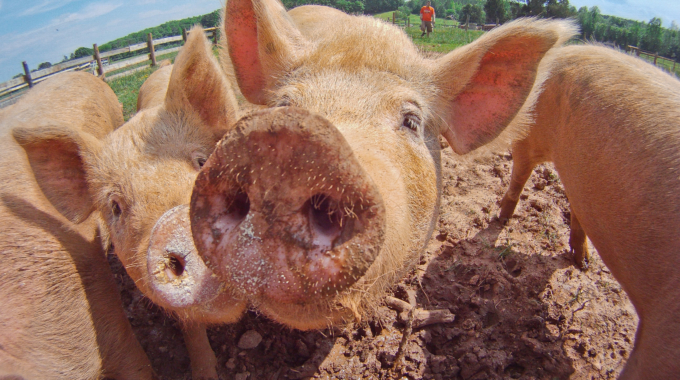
x=140 y=179
x=61 y=316
x=339 y=191
x=611 y=125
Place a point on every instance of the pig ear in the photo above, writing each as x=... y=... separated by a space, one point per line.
x=198 y=84
x=263 y=42
x=484 y=84
x=56 y=158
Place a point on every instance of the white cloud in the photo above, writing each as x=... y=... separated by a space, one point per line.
x=90 y=11
x=45 y=6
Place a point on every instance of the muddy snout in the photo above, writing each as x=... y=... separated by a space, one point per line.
x=283 y=211
x=177 y=274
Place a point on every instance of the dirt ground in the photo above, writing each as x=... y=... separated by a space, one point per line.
x=522 y=310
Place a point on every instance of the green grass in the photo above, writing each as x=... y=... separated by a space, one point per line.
x=442 y=40
x=127 y=90
x=445 y=37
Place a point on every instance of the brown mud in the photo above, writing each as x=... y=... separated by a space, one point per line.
x=522 y=310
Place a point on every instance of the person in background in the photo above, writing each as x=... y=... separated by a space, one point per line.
x=426 y=19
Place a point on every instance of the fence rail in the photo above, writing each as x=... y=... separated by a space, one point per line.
x=99 y=64
x=655 y=57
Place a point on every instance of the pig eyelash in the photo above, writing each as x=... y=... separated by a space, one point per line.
x=411 y=122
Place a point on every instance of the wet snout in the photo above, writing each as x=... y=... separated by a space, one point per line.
x=283 y=211
x=177 y=274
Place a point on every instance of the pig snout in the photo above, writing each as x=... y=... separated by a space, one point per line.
x=178 y=276
x=284 y=212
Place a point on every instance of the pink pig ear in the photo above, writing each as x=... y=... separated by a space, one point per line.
x=484 y=84
x=56 y=158
x=198 y=83
x=263 y=43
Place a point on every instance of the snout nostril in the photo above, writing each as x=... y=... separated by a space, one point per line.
x=324 y=214
x=240 y=206
x=175 y=265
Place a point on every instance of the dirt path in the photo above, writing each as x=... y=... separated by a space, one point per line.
x=522 y=310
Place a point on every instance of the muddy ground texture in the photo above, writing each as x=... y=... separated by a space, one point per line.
x=522 y=310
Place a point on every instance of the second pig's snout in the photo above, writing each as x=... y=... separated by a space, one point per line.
x=177 y=274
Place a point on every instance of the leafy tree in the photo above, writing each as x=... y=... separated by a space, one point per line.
x=559 y=9
x=475 y=12
x=651 y=38
x=211 y=20
x=495 y=10
x=379 y=6
x=350 y=6
x=44 y=65
x=82 y=52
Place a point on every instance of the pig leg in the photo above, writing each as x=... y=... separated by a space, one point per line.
x=578 y=243
x=521 y=171
x=201 y=355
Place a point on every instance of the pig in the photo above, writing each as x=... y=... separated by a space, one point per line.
x=611 y=125
x=309 y=209
x=152 y=93
x=61 y=314
x=140 y=179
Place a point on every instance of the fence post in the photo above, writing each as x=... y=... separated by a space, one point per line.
x=467 y=23
x=184 y=34
x=656 y=56
x=98 y=58
x=152 y=51
x=27 y=76
x=215 y=36
x=673 y=66
x=408 y=21
x=394 y=17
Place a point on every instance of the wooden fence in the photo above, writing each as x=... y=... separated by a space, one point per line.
x=99 y=64
x=664 y=62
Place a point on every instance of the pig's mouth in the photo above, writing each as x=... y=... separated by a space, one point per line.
x=284 y=213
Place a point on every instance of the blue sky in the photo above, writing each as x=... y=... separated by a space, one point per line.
x=37 y=31
x=45 y=30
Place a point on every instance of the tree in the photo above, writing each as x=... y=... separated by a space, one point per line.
x=211 y=20
x=82 y=52
x=651 y=39
x=379 y=6
x=559 y=9
x=475 y=12
x=44 y=65
x=588 y=19
x=495 y=10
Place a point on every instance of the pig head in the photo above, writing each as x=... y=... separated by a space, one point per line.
x=311 y=208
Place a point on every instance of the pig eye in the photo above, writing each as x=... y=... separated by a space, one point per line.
x=283 y=102
x=199 y=160
x=411 y=122
x=115 y=209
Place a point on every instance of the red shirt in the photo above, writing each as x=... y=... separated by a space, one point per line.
x=427 y=13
